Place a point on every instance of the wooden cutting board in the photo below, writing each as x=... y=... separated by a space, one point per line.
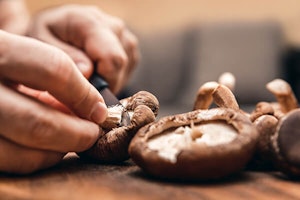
x=76 y=179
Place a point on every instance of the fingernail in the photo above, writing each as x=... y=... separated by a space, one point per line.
x=99 y=112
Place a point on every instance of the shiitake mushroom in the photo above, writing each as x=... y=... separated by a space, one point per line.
x=278 y=125
x=203 y=144
x=198 y=145
x=112 y=146
x=286 y=144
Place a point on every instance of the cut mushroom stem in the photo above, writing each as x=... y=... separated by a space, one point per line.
x=195 y=132
x=114 y=117
x=284 y=94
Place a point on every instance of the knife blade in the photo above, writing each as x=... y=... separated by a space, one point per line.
x=110 y=99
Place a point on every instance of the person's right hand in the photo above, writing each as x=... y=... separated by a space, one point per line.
x=38 y=128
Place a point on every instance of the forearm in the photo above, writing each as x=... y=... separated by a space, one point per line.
x=14 y=16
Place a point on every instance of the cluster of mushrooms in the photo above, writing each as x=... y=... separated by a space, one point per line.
x=214 y=140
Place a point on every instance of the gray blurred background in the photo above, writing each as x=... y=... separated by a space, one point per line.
x=185 y=43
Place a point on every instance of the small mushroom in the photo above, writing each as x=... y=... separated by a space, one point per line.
x=112 y=146
x=227 y=79
x=198 y=145
x=286 y=100
x=286 y=144
x=263 y=158
x=279 y=135
x=262 y=108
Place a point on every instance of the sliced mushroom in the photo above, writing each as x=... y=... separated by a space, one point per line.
x=199 y=145
x=112 y=146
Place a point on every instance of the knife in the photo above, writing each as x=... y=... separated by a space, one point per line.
x=110 y=99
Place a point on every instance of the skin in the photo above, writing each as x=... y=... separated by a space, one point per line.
x=35 y=133
x=14 y=16
x=92 y=38
x=39 y=121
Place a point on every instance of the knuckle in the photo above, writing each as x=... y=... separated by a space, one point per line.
x=133 y=42
x=61 y=66
x=41 y=129
x=120 y=61
x=119 y=25
x=93 y=9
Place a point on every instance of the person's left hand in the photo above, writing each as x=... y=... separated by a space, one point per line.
x=91 y=38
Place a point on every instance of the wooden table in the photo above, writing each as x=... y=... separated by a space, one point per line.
x=75 y=179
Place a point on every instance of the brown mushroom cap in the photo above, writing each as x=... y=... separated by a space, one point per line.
x=112 y=145
x=263 y=158
x=191 y=159
x=286 y=143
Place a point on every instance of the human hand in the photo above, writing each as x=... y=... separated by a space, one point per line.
x=90 y=37
x=38 y=128
x=14 y=16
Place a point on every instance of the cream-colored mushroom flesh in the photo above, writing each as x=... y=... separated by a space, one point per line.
x=171 y=142
x=114 y=117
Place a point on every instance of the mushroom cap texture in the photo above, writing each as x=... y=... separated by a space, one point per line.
x=286 y=143
x=197 y=161
x=112 y=146
x=263 y=158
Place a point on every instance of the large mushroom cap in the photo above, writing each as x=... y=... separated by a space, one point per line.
x=198 y=145
x=286 y=142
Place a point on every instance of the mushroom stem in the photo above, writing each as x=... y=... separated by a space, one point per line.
x=228 y=80
x=262 y=108
x=224 y=98
x=204 y=95
x=284 y=94
x=195 y=133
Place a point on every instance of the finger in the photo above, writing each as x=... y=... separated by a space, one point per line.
x=92 y=34
x=130 y=44
x=45 y=67
x=82 y=61
x=105 y=48
x=44 y=97
x=21 y=160
x=32 y=124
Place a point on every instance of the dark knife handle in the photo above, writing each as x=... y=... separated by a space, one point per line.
x=98 y=82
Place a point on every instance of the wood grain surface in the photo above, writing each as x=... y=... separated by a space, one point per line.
x=76 y=179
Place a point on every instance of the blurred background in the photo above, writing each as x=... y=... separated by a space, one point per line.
x=185 y=43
